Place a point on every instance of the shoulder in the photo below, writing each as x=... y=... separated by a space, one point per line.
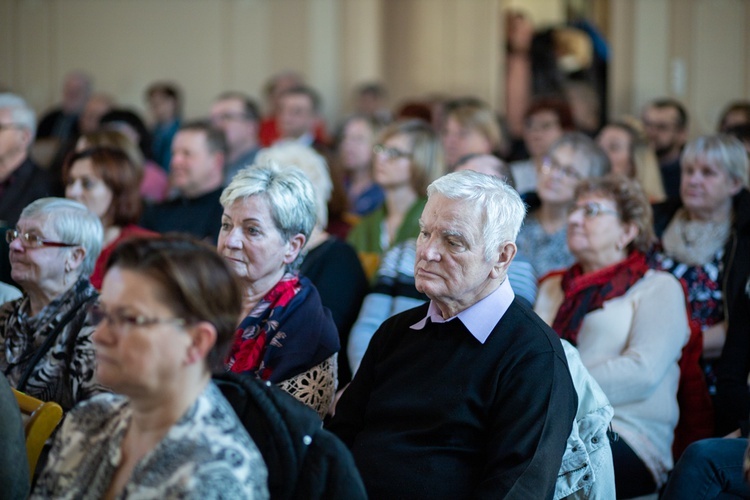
x=88 y=416
x=658 y=282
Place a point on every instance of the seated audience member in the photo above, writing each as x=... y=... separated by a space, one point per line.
x=21 y=180
x=470 y=127
x=408 y=157
x=14 y=468
x=106 y=182
x=45 y=336
x=330 y=263
x=237 y=115
x=370 y=101
x=286 y=337
x=628 y=322
x=665 y=122
x=354 y=156
x=196 y=177
x=165 y=104
x=95 y=108
x=736 y=114
x=155 y=183
x=118 y=140
x=631 y=156
x=732 y=400
x=545 y=122
x=711 y=468
x=418 y=421
x=61 y=122
x=166 y=316
x=702 y=234
x=521 y=272
x=298 y=117
x=572 y=158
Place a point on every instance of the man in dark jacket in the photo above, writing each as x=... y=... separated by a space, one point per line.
x=21 y=180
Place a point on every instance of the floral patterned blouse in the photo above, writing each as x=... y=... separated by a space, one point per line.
x=207 y=454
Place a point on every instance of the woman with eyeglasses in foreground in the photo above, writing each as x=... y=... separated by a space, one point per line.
x=166 y=317
x=571 y=158
x=45 y=336
x=408 y=157
x=628 y=322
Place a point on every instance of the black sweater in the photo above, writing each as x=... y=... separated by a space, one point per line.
x=433 y=413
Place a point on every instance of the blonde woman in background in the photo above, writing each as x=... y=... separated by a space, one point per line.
x=630 y=155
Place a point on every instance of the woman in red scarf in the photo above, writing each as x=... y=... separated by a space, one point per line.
x=286 y=337
x=628 y=322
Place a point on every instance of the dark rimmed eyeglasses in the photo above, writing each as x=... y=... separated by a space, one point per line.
x=389 y=153
x=120 y=320
x=592 y=209
x=30 y=240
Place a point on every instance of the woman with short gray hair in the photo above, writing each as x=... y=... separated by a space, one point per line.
x=45 y=336
x=286 y=337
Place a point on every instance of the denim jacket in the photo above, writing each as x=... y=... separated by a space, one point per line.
x=587 y=470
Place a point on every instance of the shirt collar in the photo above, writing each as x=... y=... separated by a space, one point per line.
x=481 y=318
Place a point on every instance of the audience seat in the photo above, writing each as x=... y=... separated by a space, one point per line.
x=40 y=420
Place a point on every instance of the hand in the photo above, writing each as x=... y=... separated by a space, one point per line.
x=519 y=30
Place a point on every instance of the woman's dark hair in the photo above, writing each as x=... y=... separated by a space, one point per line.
x=121 y=176
x=194 y=282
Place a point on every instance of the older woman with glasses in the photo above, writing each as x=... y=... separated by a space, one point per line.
x=628 y=322
x=45 y=336
x=166 y=316
x=572 y=158
x=407 y=158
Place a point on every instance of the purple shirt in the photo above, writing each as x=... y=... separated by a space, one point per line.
x=481 y=318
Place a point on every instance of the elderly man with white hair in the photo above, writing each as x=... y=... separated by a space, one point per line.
x=21 y=180
x=469 y=395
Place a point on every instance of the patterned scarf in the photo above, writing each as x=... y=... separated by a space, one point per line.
x=588 y=292
x=288 y=332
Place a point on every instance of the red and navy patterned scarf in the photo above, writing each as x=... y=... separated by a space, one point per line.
x=289 y=331
x=588 y=292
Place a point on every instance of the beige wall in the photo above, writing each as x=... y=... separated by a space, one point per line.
x=695 y=50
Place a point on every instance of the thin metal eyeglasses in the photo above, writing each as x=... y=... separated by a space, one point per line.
x=120 y=320
x=592 y=209
x=389 y=153
x=549 y=165
x=29 y=240
x=8 y=126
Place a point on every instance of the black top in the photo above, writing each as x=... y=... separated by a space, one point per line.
x=26 y=184
x=199 y=216
x=670 y=178
x=434 y=413
x=335 y=270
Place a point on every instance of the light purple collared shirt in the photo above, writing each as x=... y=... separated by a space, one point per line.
x=481 y=318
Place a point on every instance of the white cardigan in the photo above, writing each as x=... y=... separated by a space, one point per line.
x=632 y=346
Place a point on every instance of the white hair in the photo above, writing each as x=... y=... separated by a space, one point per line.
x=313 y=165
x=73 y=223
x=20 y=112
x=500 y=205
x=721 y=150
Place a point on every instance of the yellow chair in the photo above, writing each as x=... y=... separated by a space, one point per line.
x=40 y=420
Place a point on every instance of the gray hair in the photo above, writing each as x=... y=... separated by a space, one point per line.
x=73 y=223
x=724 y=151
x=22 y=115
x=587 y=149
x=500 y=205
x=289 y=193
x=291 y=154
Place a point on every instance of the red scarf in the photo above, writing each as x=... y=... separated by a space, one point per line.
x=588 y=292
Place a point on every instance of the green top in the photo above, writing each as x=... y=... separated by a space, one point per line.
x=365 y=237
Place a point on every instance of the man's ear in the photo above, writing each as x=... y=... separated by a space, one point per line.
x=294 y=247
x=503 y=258
x=203 y=338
